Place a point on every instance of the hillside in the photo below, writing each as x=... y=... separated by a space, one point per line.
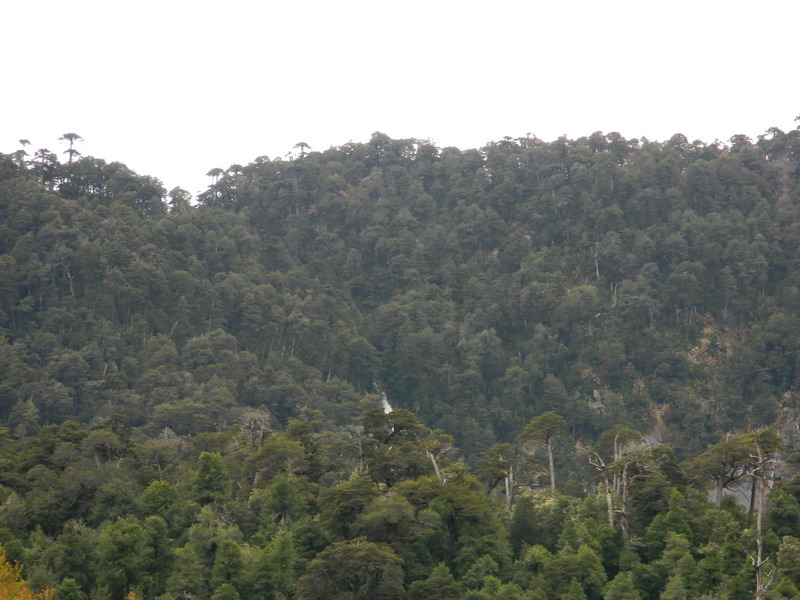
x=212 y=373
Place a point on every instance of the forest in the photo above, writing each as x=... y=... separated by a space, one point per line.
x=535 y=370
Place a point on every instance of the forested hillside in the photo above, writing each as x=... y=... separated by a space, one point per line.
x=590 y=347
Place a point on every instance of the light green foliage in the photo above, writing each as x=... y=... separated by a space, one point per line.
x=280 y=564
x=789 y=559
x=158 y=498
x=225 y=592
x=621 y=588
x=476 y=574
x=227 y=563
x=662 y=527
x=122 y=546
x=188 y=578
x=783 y=513
x=575 y=592
x=439 y=584
x=68 y=589
x=783 y=588
x=582 y=566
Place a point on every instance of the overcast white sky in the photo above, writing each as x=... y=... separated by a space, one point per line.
x=174 y=88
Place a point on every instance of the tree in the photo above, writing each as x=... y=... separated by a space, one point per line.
x=637 y=464
x=497 y=464
x=574 y=592
x=340 y=505
x=159 y=554
x=227 y=563
x=188 y=579
x=215 y=174
x=767 y=444
x=179 y=201
x=14 y=587
x=68 y=589
x=542 y=430
x=121 y=547
x=210 y=481
x=47 y=166
x=21 y=152
x=356 y=569
x=71 y=138
x=280 y=564
x=225 y=592
x=727 y=462
x=439 y=584
x=523 y=531
x=612 y=445
x=621 y=588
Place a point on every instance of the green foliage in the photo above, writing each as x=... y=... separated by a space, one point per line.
x=341 y=505
x=356 y=568
x=621 y=588
x=210 y=482
x=68 y=589
x=439 y=584
x=122 y=547
x=225 y=592
x=187 y=392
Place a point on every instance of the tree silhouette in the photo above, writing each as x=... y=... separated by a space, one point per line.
x=21 y=154
x=215 y=174
x=48 y=164
x=71 y=138
x=303 y=147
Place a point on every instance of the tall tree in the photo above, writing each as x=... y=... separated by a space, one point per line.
x=21 y=152
x=543 y=430
x=726 y=463
x=71 y=138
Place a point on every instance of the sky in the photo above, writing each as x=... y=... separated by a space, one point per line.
x=174 y=88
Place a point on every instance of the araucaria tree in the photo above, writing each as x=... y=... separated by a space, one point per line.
x=542 y=430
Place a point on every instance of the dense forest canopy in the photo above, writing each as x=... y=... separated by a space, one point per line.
x=589 y=345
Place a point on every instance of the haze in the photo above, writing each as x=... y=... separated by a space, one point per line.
x=174 y=89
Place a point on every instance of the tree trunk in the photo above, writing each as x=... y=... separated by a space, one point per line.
x=718 y=495
x=510 y=488
x=624 y=503
x=759 y=562
x=552 y=470
x=609 y=501
x=436 y=467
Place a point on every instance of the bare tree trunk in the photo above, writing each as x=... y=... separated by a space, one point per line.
x=624 y=503
x=759 y=561
x=510 y=488
x=759 y=473
x=552 y=469
x=436 y=468
x=599 y=464
x=609 y=501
